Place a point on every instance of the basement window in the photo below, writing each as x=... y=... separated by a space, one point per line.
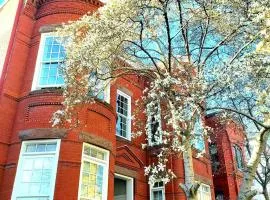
x=36 y=171
x=50 y=60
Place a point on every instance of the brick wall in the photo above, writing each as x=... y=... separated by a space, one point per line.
x=26 y=114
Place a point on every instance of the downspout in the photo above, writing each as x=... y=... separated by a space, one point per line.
x=10 y=45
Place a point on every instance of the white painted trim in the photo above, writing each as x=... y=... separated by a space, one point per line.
x=4 y=3
x=130 y=185
x=20 y=162
x=104 y=163
x=119 y=92
x=200 y=191
x=152 y=189
x=38 y=66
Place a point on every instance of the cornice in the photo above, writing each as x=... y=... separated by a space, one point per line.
x=39 y=3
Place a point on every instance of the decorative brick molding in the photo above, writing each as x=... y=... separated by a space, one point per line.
x=42 y=133
x=126 y=158
x=94 y=139
x=39 y=3
x=31 y=109
x=76 y=7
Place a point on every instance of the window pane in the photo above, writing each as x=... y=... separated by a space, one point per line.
x=41 y=147
x=92 y=180
x=121 y=126
x=52 y=58
x=51 y=147
x=93 y=172
x=31 y=148
x=157 y=195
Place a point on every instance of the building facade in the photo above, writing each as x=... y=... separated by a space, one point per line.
x=99 y=160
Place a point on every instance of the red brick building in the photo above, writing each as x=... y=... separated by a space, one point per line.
x=98 y=161
x=226 y=150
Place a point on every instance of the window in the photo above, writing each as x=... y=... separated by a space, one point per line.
x=238 y=157
x=36 y=172
x=3 y=2
x=94 y=173
x=204 y=192
x=123 y=109
x=157 y=191
x=123 y=187
x=154 y=128
x=219 y=195
x=214 y=157
x=51 y=57
x=99 y=88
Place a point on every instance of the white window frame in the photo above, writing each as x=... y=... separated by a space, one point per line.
x=104 y=163
x=237 y=148
x=129 y=186
x=35 y=85
x=153 y=189
x=128 y=136
x=200 y=191
x=23 y=154
x=3 y=3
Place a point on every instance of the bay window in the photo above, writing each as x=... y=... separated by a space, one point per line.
x=94 y=173
x=36 y=171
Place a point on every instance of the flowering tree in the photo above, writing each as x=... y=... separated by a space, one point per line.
x=196 y=55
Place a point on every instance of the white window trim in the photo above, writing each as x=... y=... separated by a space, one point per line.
x=200 y=191
x=38 y=66
x=106 y=165
x=128 y=117
x=152 y=189
x=130 y=185
x=19 y=166
x=3 y=3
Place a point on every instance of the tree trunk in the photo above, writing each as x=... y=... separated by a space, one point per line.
x=190 y=187
x=249 y=174
x=265 y=193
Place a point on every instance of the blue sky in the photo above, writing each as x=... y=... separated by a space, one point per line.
x=2 y=1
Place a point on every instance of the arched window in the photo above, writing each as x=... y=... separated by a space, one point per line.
x=238 y=157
